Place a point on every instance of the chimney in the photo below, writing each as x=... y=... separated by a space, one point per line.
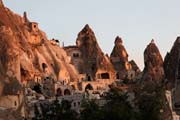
x=25 y=17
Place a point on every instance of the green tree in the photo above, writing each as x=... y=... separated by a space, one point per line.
x=38 y=115
x=65 y=112
x=118 y=107
x=150 y=101
x=56 y=111
x=91 y=111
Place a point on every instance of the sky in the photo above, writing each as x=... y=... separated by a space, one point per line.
x=135 y=21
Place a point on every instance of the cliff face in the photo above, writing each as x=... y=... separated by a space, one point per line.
x=153 y=71
x=119 y=58
x=26 y=52
x=171 y=61
x=94 y=59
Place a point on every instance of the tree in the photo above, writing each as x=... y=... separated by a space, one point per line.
x=64 y=111
x=56 y=111
x=38 y=115
x=118 y=107
x=91 y=111
x=150 y=102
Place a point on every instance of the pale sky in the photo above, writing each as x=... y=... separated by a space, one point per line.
x=136 y=21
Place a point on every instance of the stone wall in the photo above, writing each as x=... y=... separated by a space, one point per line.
x=9 y=101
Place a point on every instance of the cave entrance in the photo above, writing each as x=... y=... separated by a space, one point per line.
x=37 y=88
x=44 y=66
x=89 y=87
x=105 y=76
x=58 y=92
x=67 y=92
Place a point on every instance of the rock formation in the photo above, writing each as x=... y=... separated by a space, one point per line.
x=172 y=72
x=25 y=52
x=134 y=67
x=153 y=71
x=119 y=59
x=171 y=62
x=94 y=60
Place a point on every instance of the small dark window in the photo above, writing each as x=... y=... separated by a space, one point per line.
x=117 y=76
x=57 y=41
x=44 y=65
x=35 y=26
x=79 y=103
x=88 y=78
x=75 y=55
x=74 y=104
x=15 y=103
x=131 y=75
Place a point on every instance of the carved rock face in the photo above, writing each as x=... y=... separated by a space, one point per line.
x=119 y=58
x=21 y=59
x=87 y=43
x=153 y=71
x=92 y=55
x=119 y=50
x=171 y=61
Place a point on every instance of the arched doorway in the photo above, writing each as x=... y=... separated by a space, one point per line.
x=67 y=92
x=58 y=92
x=88 y=87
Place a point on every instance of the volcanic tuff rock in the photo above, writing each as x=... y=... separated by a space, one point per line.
x=119 y=50
x=119 y=58
x=25 y=52
x=153 y=71
x=171 y=61
x=172 y=71
x=134 y=67
x=94 y=59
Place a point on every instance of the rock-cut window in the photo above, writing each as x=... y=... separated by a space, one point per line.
x=75 y=55
x=15 y=103
x=35 y=26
